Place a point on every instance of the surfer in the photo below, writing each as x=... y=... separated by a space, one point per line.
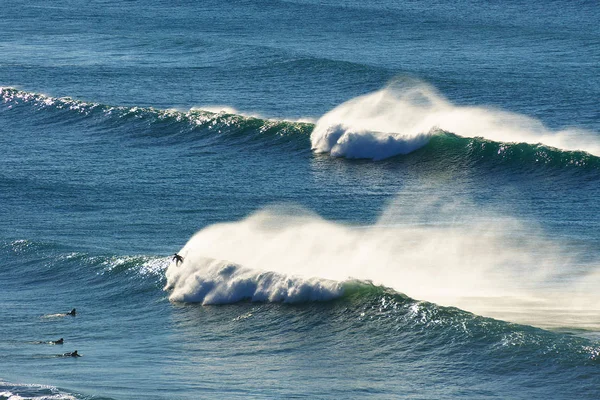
x=178 y=259
x=59 y=341
x=72 y=313
x=73 y=354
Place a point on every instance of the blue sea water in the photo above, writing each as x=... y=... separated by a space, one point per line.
x=387 y=199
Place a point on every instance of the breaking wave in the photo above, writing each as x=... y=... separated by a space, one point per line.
x=415 y=121
x=489 y=264
x=402 y=118
x=209 y=281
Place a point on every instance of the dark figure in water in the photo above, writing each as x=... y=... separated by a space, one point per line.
x=73 y=354
x=177 y=258
x=59 y=341
x=72 y=313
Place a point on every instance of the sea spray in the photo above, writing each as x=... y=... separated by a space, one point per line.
x=483 y=262
x=403 y=116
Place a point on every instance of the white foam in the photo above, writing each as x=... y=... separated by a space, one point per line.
x=400 y=119
x=218 y=109
x=32 y=392
x=228 y=110
x=207 y=281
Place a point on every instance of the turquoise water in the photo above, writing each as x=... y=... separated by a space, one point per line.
x=373 y=199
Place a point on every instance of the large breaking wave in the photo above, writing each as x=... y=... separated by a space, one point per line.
x=489 y=264
x=402 y=118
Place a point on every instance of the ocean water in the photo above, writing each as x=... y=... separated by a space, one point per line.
x=383 y=199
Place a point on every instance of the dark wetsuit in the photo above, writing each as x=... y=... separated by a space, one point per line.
x=177 y=258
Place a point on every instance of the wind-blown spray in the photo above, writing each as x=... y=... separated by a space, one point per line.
x=403 y=116
x=485 y=263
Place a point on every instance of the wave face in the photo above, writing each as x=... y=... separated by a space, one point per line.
x=164 y=127
x=403 y=117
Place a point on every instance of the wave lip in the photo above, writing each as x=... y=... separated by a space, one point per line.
x=377 y=125
x=210 y=281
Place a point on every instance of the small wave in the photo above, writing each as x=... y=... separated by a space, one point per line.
x=10 y=391
x=404 y=116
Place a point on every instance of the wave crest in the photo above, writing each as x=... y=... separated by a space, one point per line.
x=402 y=118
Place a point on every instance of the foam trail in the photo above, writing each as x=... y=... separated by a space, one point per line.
x=486 y=264
x=400 y=119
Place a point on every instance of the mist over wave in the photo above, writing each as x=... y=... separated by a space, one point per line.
x=484 y=263
x=403 y=117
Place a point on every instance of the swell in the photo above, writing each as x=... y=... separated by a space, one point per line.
x=335 y=133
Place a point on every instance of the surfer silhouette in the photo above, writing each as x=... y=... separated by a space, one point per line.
x=178 y=259
x=59 y=341
x=72 y=313
x=73 y=354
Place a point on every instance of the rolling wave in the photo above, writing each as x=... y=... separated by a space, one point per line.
x=489 y=264
x=405 y=115
x=411 y=120
x=356 y=303
x=180 y=126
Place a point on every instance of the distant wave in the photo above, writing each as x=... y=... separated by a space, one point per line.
x=413 y=121
x=404 y=117
x=16 y=391
x=165 y=126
